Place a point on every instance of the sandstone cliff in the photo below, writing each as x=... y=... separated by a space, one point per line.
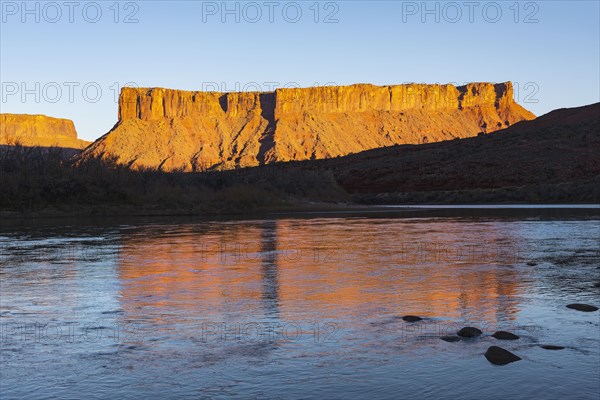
x=191 y=131
x=38 y=130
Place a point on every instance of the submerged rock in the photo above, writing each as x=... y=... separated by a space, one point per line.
x=597 y=284
x=499 y=356
x=503 y=335
x=582 y=307
x=469 y=331
x=411 y=318
x=532 y=264
x=551 y=347
x=450 y=338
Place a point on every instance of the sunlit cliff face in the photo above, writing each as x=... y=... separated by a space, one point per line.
x=288 y=271
x=174 y=129
x=38 y=130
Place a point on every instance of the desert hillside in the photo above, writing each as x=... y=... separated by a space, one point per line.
x=553 y=159
x=561 y=147
x=195 y=131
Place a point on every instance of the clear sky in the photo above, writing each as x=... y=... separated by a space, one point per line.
x=68 y=59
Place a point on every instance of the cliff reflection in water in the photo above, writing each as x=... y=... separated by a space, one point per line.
x=350 y=270
x=298 y=308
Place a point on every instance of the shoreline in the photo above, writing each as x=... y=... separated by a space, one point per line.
x=309 y=210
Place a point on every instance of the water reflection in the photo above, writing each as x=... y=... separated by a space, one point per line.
x=269 y=260
x=149 y=302
x=289 y=270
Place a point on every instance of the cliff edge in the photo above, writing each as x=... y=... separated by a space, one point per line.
x=193 y=131
x=38 y=131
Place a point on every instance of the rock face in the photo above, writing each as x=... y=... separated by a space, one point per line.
x=38 y=130
x=191 y=131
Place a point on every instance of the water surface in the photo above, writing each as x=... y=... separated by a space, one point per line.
x=298 y=307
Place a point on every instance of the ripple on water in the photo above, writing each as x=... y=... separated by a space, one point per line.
x=160 y=309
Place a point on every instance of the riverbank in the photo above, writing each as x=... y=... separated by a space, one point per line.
x=312 y=210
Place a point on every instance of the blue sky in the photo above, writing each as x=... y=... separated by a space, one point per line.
x=70 y=61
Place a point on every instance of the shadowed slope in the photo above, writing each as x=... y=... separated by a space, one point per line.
x=561 y=146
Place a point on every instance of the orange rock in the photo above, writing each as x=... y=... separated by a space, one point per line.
x=38 y=130
x=173 y=129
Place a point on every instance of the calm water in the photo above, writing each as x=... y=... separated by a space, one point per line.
x=299 y=308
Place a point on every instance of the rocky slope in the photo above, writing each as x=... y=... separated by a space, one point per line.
x=557 y=148
x=553 y=159
x=193 y=131
x=39 y=131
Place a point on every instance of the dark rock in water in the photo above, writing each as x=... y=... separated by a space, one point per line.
x=411 y=318
x=450 y=338
x=503 y=335
x=597 y=284
x=499 y=356
x=469 y=331
x=551 y=347
x=532 y=264
x=582 y=307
